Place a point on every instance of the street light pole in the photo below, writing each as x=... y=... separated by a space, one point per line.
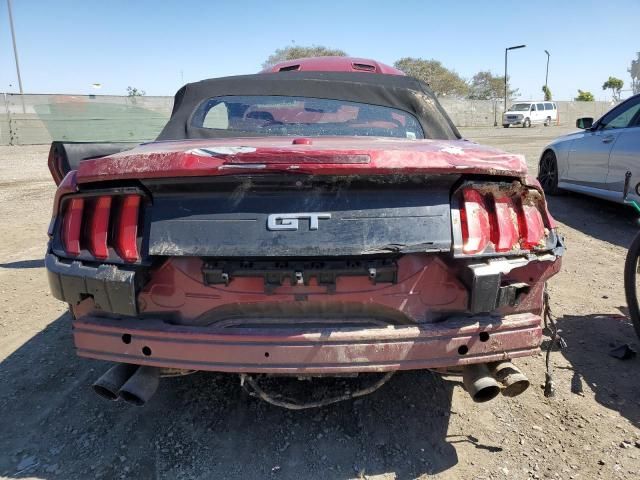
x=546 y=77
x=15 y=52
x=506 y=50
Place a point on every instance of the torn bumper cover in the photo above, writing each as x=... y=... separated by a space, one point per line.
x=455 y=342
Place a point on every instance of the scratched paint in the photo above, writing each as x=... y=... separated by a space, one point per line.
x=326 y=156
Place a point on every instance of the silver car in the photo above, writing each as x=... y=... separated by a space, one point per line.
x=595 y=160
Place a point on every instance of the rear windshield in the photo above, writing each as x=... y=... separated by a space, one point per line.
x=303 y=116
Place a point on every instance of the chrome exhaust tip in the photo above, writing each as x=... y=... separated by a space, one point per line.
x=479 y=383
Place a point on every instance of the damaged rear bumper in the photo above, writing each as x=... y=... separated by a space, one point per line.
x=454 y=342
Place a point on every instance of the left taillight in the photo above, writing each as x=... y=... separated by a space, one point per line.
x=72 y=226
x=97 y=224
x=126 y=233
x=494 y=221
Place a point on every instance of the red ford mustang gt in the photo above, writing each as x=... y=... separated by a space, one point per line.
x=325 y=218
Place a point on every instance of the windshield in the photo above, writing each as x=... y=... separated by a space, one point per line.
x=303 y=116
x=520 y=107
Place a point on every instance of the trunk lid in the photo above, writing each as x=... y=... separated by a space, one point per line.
x=314 y=156
x=303 y=216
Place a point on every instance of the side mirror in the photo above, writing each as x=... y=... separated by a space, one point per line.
x=584 y=123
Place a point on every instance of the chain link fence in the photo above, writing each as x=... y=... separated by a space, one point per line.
x=39 y=119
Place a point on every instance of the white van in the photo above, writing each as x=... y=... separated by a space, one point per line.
x=526 y=113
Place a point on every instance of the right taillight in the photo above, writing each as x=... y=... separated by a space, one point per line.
x=476 y=228
x=126 y=235
x=500 y=222
x=505 y=234
x=531 y=226
x=97 y=224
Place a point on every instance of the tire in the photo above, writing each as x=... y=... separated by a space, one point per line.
x=526 y=123
x=506 y=126
x=548 y=173
x=630 y=274
x=547 y=122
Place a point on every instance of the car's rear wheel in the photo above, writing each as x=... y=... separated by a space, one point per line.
x=632 y=282
x=526 y=123
x=547 y=122
x=506 y=125
x=548 y=173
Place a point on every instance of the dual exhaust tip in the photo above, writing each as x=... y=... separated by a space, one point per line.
x=482 y=381
x=136 y=384
x=132 y=383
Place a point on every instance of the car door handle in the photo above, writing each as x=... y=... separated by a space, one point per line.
x=608 y=139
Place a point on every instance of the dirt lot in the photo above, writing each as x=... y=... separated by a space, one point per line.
x=418 y=425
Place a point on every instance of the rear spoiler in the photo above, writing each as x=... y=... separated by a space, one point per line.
x=66 y=156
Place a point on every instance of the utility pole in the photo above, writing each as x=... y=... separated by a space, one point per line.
x=15 y=53
x=546 y=77
x=506 y=50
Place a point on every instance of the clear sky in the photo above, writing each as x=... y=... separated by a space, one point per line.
x=65 y=46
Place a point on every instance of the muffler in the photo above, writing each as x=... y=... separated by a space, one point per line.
x=479 y=383
x=108 y=385
x=141 y=386
x=515 y=382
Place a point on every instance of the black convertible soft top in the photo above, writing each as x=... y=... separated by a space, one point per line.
x=395 y=91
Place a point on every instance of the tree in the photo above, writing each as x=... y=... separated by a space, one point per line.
x=584 y=96
x=485 y=86
x=547 y=93
x=615 y=85
x=134 y=92
x=441 y=80
x=294 y=51
x=634 y=71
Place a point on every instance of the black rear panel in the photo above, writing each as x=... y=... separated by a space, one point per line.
x=299 y=216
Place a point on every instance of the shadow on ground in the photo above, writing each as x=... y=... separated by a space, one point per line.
x=615 y=382
x=607 y=221
x=38 y=263
x=205 y=426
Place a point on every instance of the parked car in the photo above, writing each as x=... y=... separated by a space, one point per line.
x=595 y=160
x=528 y=113
x=301 y=223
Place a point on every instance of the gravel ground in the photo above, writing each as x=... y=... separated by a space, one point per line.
x=416 y=426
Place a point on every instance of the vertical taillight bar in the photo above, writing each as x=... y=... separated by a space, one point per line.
x=99 y=227
x=126 y=234
x=505 y=234
x=476 y=228
x=72 y=226
x=531 y=227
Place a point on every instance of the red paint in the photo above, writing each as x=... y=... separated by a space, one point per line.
x=54 y=163
x=126 y=240
x=333 y=64
x=293 y=350
x=425 y=287
x=68 y=185
x=99 y=227
x=387 y=157
x=302 y=141
x=72 y=226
